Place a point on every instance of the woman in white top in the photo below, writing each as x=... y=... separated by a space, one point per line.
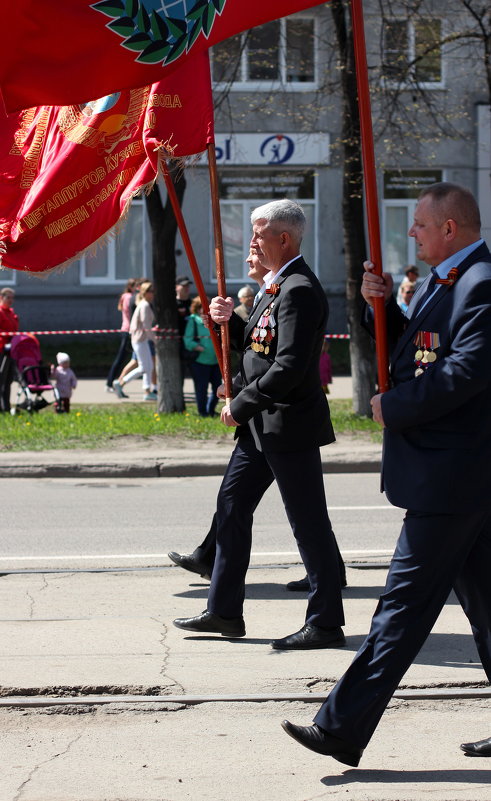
x=142 y=339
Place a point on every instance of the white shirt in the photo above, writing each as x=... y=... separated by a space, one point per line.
x=270 y=278
x=442 y=271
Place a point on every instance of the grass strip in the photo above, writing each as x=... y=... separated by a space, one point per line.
x=100 y=425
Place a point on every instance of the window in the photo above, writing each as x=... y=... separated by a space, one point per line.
x=401 y=190
x=282 y=51
x=241 y=191
x=127 y=255
x=8 y=277
x=413 y=51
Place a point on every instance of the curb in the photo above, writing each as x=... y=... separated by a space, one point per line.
x=156 y=469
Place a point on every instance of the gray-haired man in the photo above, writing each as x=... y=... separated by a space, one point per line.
x=282 y=418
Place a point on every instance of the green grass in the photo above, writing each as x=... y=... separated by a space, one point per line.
x=345 y=421
x=102 y=425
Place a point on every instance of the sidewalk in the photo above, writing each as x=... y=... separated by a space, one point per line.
x=93 y=390
x=97 y=637
x=83 y=634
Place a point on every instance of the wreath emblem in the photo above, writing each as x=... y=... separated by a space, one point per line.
x=160 y=30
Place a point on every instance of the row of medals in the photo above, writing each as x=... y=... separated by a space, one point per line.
x=426 y=342
x=264 y=331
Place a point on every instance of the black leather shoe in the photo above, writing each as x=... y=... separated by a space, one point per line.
x=208 y=622
x=303 y=585
x=480 y=748
x=311 y=636
x=189 y=562
x=321 y=742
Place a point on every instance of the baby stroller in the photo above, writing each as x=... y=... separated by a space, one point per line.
x=32 y=374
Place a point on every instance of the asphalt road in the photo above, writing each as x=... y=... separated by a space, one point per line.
x=93 y=523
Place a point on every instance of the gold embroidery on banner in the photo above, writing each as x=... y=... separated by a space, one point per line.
x=103 y=130
x=31 y=158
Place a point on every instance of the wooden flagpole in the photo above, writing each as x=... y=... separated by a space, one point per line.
x=220 y=267
x=171 y=191
x=370 y=182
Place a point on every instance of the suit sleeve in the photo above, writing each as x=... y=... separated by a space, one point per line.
x=300 y=319
x=454 y=379
x=395 y=322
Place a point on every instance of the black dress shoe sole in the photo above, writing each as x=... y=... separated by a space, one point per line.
x=231 y=635
x=342 y=756
x=276 y=644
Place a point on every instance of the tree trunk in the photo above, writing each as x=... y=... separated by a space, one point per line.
x=164 y=229
x=363 y=368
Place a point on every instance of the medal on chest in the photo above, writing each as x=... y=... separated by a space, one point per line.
x=426 y=343
x=264 y=331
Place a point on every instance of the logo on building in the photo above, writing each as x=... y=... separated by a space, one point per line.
x=277 y=149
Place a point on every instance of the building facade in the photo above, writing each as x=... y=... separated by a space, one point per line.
x=278 y=124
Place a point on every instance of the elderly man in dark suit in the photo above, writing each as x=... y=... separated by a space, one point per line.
x=282 y=418
x=437 y=430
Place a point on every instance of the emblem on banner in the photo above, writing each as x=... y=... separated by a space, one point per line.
x=160 y=30
x=105 y=122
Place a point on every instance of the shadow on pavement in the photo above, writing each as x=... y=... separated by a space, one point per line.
x=408 y=777
x=274 y=591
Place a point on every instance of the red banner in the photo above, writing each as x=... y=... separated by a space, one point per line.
x=68 y=174
x=56 y=53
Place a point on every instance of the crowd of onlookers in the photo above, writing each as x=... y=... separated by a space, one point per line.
x=136 y=354
x=135 y=357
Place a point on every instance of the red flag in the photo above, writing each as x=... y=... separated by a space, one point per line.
x=56 y=53
x=67 y=174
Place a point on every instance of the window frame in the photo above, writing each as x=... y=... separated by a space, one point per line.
x=251 y=203
x=411 y=78
x=110 y=279
x=8 y=277
x=268 y=85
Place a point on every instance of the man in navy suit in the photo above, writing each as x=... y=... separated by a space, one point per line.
x=282 y=418
x=437 y=430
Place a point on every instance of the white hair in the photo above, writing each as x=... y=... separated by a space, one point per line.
x=286 y=212
x=245 y=290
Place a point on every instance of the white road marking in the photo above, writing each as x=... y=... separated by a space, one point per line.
x=79 y=557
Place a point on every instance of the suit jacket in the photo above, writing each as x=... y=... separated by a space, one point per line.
x=281 y=391
x=437 y=441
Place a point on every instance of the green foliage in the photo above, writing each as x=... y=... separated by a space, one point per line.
x=103 y=425
x=156 y=36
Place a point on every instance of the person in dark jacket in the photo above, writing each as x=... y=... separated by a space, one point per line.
x=437 y=431
x=282 y=417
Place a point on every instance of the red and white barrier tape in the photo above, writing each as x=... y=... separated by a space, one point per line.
x=162 y=333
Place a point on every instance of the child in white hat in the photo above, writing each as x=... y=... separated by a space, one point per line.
x=65 y=380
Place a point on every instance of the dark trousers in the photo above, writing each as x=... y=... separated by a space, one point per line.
x=121 y=358
x=434 y=553
x=299 y=477
x=7 y=372
x=203 y=375
x=62 y=405
x=205 y=553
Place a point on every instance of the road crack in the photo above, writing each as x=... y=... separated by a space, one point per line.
x=22 y=787
x=169 y=681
